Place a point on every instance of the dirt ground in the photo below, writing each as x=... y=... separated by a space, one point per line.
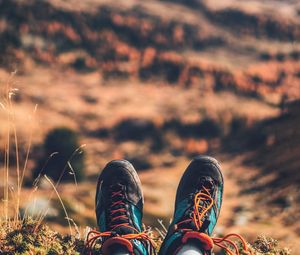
x=68 y=103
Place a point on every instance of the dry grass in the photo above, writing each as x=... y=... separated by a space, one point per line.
x=12 y=223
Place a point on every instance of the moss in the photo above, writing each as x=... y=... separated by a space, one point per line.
x=269 y=246
x=29 y=237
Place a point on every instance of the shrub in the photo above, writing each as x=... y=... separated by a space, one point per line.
x=134 y=129
x=295 y=55
x=66 y=160
x=280 y=57
x=265 y=56
x=238 y=124
x=208 y=128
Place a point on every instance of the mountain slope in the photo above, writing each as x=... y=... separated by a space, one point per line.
x=211 y=49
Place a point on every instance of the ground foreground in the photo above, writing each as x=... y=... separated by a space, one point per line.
x=30 y=237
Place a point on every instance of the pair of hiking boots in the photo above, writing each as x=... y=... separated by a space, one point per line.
x=119 y=209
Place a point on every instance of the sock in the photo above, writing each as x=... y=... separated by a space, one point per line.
x=189 y=249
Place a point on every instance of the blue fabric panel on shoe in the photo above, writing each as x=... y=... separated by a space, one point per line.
x=101 y=223
x=140 y=247
x=180 y=210
x=213 y=222
x=137 y=217
x=213 y=215
x=168 y=242
x=220 y=191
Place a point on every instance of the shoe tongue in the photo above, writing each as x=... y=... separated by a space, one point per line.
x=124 y=230
x=116 y=186
x=205 y=224
x=189 y=215
x=118 y=209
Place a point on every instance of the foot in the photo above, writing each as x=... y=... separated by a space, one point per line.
x=119 y=210
x=197 y=206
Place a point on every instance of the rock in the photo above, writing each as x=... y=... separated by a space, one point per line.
x=38 y=207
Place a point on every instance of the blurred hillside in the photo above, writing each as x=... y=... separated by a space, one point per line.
x=158 y=82
x=226 y=47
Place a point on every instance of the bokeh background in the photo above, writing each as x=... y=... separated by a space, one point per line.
x=155 y=82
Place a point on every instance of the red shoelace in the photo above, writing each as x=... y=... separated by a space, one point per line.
x=93 y=236
x=117 y=213
x=203 y=202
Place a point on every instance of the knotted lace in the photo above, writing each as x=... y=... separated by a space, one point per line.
x=94 y=236
x=194 y=220
x=118 y=218
x=202 y=203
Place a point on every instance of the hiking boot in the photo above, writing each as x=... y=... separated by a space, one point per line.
x=197 y=207
x=119 y=210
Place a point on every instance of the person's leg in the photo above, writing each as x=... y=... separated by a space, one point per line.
x=197 y=207
x=119 y=210
x=190 y=249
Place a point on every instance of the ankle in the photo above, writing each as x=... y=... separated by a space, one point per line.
x=190 y=248
x=201 y=241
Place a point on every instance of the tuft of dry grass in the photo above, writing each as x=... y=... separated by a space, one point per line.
x=12 y=224
x=11 y=144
